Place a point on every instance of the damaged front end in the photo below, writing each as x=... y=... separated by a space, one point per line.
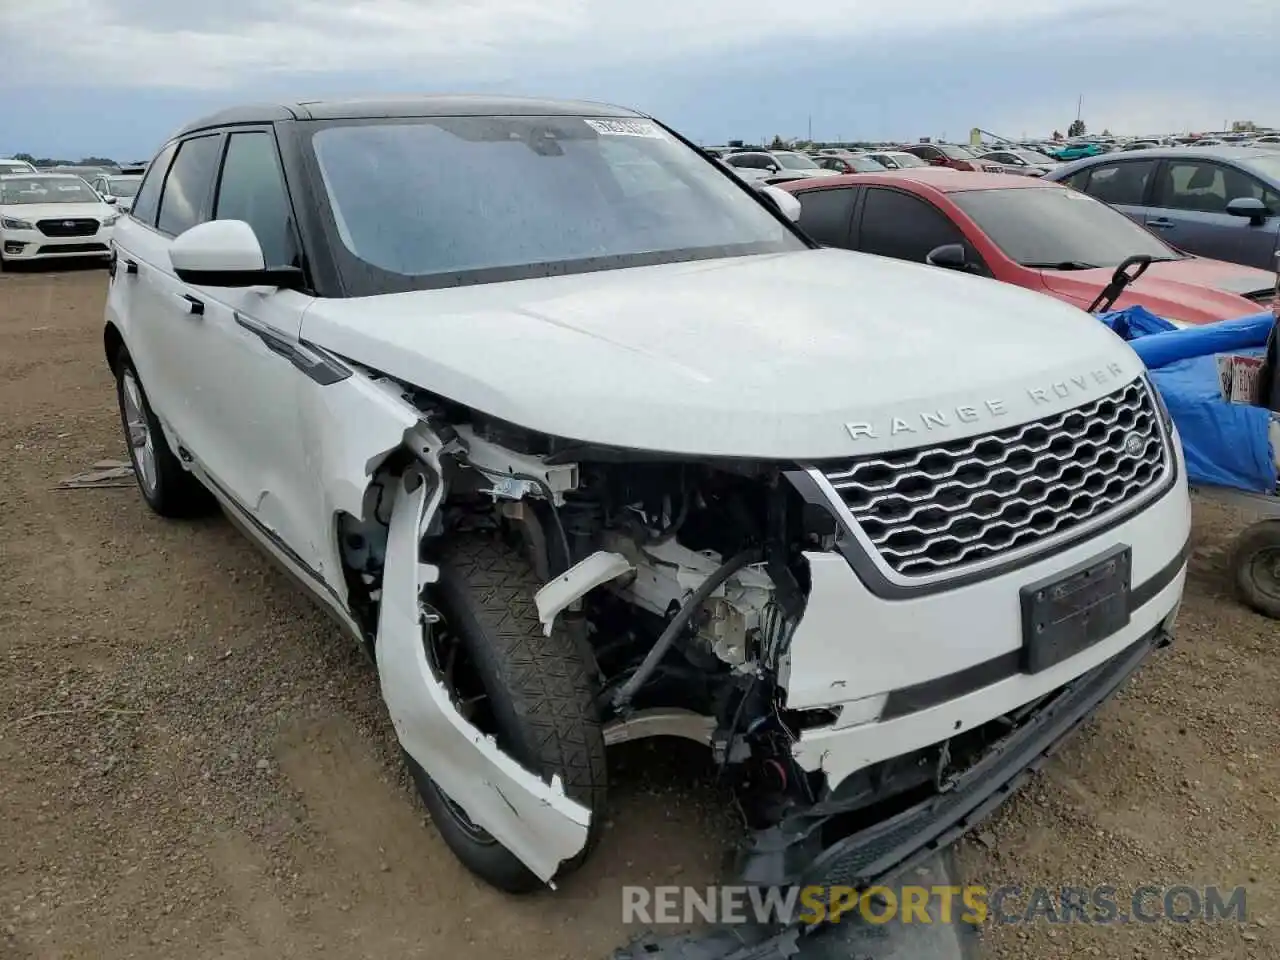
x=712 y=600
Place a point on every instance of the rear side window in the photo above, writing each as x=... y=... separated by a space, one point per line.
x=1121 y=183
x=252 y=189
x=148 y=199
x=825 y=215
x=898 y=225
x=185 y=199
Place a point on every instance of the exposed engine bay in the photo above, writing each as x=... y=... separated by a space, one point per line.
x=704 y=580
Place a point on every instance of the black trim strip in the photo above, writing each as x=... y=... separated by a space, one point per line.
x=286 y=278
x=931 y=693
x=311 y=360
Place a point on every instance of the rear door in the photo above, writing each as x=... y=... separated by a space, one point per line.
x=827 y=214
x=165 y=317
x=1124 y=184
x=1190 y=211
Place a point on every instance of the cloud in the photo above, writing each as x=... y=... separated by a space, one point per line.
x=234 y=43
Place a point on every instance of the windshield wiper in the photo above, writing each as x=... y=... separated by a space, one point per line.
x=1063 y=265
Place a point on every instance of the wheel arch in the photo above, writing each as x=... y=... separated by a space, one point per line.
x=112 y=344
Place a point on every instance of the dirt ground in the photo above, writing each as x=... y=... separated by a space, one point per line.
x=195 y=764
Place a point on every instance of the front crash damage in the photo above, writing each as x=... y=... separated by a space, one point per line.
x=532 y=819
x=713 y=600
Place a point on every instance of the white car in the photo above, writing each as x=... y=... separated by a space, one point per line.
x=776 y=164
x=584 y=442
x=9 y=165
x=118 y=189
x=51 y=215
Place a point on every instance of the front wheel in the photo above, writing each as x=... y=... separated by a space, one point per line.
x=532 y=692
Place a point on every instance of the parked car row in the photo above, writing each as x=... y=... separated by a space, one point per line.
x=1033 y=233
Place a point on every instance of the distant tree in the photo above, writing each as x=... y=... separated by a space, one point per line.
x=1057 y=134
x=1107 y=133
x=777 y=143
x=1077 y=129
x=25 y=157
x=97 y=162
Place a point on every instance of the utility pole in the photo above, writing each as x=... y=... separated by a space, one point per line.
x=811 y=128
x=1079 y=105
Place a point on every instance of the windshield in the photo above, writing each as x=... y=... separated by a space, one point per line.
x=46 y=190
x=956 y=153
x=124 y=186
x=1033 y=158
x=443 y=201
x=907 y=160
x=794 y=161
x=15 y=166
x=865 y=164
x=1052 y=227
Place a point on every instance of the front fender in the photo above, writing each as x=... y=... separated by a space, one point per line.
x=531 y=818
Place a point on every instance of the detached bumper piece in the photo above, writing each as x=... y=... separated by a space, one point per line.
x=878 y=853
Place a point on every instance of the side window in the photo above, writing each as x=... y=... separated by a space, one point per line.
x=1205 y=187
x=147 y=201
x=1080 y=179
x=252 y=189
x=825 y=215
x=186 y=188
x=896 y=224
x=1124 y=183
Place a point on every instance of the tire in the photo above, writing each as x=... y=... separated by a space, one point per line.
x=168 y=489
x=1256 y=564
x=540 y=698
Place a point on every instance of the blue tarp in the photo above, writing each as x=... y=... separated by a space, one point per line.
x=1225 y=444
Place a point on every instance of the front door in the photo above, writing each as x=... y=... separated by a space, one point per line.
x=247 y=435
x=1189 y=210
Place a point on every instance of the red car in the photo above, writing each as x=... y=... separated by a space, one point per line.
x=956 y=157
x=1022 y=230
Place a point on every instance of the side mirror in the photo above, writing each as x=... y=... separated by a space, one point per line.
x=1250 y=207
x=938 y=162
x=784 y=201
x=774 y=168
x=110 y=199
x=226 y=253
x=949 y=256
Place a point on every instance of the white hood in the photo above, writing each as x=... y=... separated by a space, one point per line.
x=31 y=212
x=766 y=356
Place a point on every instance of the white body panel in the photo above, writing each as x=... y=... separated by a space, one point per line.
x=764 y=356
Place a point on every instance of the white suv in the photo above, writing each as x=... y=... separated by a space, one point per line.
x=583 y=442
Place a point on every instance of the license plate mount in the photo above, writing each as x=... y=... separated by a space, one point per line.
x=1072 y=610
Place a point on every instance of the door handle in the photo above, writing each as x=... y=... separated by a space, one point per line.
x=1161 y=223
x=194 y=307
x=131 y=266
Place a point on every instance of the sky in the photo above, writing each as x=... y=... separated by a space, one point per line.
x=116 y=77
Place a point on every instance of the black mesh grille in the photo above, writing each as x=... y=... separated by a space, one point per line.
x=932 y=509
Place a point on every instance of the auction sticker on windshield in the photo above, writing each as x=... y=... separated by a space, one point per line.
x=626 y=128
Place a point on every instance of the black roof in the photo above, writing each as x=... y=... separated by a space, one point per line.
x=447 y=105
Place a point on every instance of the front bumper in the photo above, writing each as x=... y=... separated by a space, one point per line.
x=22 y=245
x=910 y=671
x=882 y=852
